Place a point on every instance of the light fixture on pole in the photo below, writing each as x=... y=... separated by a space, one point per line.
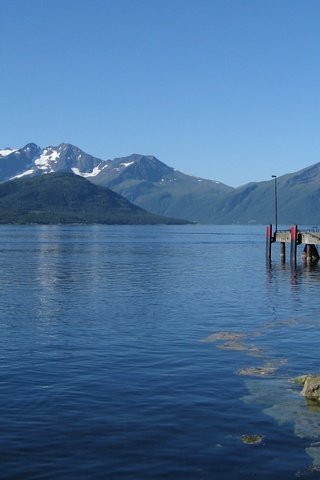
x=275 y=200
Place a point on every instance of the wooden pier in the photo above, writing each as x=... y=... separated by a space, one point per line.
x=310 y=239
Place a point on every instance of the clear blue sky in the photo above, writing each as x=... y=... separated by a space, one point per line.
x=222 y=89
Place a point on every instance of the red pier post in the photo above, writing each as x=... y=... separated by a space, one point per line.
x=269 y=240
x=294 y=243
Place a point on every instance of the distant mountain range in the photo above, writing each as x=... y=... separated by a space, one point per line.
x=162 y=190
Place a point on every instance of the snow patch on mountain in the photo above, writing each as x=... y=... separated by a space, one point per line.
x=46 y=159
x=126 y=164
x=7 y=151
x=27 y=172
x=94 y=172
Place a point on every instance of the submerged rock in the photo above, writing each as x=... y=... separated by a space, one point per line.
x=311 y=387
x=267 y=391
x=257 y=371
x=252 y=439
x=314 y=452
x=231 y=336
x=266 y=369
x=242 y=347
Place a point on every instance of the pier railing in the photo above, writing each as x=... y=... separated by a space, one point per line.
x=309 y=238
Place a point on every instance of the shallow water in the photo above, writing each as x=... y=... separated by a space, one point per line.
x=148 y=352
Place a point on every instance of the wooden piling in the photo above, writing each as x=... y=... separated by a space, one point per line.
x=310 y=253
x=315 y=254
x=294 y=243
x=268 y=242
x=282 y=252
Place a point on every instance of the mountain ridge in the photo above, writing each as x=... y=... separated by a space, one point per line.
x=154 y=186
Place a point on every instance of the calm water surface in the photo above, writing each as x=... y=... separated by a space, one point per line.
x=148 y=352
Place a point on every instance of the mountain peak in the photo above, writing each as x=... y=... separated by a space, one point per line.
x=142 y=167
x=30 y=146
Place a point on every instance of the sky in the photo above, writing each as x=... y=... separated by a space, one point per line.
x=221 y=89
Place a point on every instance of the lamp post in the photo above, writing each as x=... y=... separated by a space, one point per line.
x=275 y=200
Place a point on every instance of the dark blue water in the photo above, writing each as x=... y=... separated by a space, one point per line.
x=148 y=352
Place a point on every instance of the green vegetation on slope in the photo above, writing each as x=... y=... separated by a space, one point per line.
x=68 y=198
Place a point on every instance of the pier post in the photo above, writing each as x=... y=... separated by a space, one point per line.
x=310 y=253
x=294 y=243
x=269 y=240
x=315 y=254
x=283 y=252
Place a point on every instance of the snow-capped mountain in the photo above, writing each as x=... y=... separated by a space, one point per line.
x=15 y=161
x=32 y=160
x=147 y=182
x=142 y=179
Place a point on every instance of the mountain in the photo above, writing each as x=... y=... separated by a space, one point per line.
x=15 y=161
x=160 y=189
x=298 y=200
x=32 y=160
x=68 y=198
x=142 y=179
x=147 y=182
x=152 y=185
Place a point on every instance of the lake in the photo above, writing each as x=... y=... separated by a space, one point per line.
x=152 y=352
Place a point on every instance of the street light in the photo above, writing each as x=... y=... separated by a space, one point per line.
x=275 y=200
